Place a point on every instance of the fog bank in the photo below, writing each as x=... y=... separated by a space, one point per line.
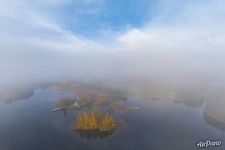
x=189 y=47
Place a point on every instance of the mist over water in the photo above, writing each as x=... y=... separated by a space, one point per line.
x=34 y=48
x=176 y=57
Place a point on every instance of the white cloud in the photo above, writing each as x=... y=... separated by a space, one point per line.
x=33 y=42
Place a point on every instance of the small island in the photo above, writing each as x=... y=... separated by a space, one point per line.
x=95 y=120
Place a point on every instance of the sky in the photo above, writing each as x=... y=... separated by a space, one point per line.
x=56 y=39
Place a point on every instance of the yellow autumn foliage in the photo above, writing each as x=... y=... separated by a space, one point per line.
x=94 y=119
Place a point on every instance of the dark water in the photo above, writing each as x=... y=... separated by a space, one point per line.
x=29 y=124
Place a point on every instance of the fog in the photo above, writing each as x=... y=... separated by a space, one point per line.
x=158 y=69
x=186 y=47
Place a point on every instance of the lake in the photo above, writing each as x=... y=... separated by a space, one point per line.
x=30 y=124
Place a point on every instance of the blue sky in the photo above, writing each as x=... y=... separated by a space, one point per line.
x=98 y=19
x=90 y=18
x=112 y=15
x=136 y=35
x=101 y=19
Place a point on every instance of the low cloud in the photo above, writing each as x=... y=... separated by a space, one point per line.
x=35 y=48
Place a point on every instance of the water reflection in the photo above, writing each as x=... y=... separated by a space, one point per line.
x=65 y=111
x=88 y=95
x=95 y=134
x=150 y=127
x=11 y=95
x=214 y=112
x=114 y=96
x=214 y=122
x=94 y=107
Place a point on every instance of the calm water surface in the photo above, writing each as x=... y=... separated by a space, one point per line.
x=29 y=124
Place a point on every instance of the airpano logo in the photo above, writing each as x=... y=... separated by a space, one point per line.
x=209 y=143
